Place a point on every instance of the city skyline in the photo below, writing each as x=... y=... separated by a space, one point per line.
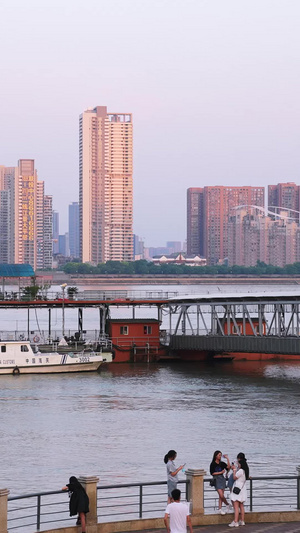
x=214 y=95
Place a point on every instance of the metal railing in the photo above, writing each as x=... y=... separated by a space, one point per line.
x=41 y=336
x=265 y=493
x=38 y=510
x=135 y=500
x=130 y=501
x=88 y=295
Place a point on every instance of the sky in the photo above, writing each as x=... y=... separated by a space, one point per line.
x=213 y=85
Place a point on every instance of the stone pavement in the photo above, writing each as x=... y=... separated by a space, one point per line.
x=287 y=527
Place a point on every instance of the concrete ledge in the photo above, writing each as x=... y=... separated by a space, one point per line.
x=200 y=520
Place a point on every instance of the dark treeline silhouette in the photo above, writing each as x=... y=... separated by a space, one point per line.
x=143 y=267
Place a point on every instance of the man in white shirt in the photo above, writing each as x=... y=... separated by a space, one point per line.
x=178 y=514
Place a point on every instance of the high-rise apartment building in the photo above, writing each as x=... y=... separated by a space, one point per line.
x=24 y=217
x=208 y=212
x=6 y=237
x=74 y=229
x=25 y=213
x=257 y=237
x=7 y=185
x=105 y=186
x=48 y=238
x=284 y=196
x=195 y=221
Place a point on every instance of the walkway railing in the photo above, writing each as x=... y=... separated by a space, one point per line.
x=272 y=493
x=140 y=501
x=114 y=503
x=32 y=512
x=134 y=500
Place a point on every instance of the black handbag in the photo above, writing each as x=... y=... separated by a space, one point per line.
x=213 y=482
x=236 y=490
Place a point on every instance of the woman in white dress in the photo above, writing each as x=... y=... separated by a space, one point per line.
x=238 y=493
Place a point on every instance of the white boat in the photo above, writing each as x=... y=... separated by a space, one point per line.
x=18 y=357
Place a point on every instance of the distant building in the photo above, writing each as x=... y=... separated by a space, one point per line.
x=63 y=245
x=138 y=248
x=284 y=196
x=55 y=231
x=256 y=237
x=74 y=229
x=105 y=186
x=157 y=250
x=174 y=246
x=179 y=259
x=48 y=239
x=208 y=212
x=195 y=221
x=22 y=208
x=6 y=229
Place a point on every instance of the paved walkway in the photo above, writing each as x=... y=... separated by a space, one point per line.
x=290 y=527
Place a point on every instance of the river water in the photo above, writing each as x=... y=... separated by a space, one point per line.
x=118 y=424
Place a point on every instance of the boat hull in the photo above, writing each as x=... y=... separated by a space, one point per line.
x=194 y=355
x=52 y=369
x=17 y=357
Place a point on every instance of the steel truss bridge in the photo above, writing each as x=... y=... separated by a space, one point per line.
x=248 y=322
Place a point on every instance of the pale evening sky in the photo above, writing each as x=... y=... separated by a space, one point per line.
x=213 y=86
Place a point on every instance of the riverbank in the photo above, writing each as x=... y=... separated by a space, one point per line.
x=57 y=277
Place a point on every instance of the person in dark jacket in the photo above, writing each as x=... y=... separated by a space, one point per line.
x=79 y=501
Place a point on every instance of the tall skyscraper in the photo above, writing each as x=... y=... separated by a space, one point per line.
x=48 y=237
x=74 y=229
x=195 y=221
x=208 y=213
x=105 y=186
x=25 y=213
x=7 y=187
x=25 y=220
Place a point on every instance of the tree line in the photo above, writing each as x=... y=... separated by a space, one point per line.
x=143 y=267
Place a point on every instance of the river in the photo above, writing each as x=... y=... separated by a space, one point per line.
x=119 y=423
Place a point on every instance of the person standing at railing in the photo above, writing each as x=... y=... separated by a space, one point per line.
x=217 y=469
x=172 y=472
x=79 y=501
x=178 y=515
x=238 y=493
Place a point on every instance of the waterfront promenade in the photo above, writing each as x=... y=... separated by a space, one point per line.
x=291 y=527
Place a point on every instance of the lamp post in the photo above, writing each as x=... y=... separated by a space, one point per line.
x=63 y=286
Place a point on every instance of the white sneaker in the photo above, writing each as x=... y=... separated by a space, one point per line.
x=221 y=511
x=233 y=524
x=242 y=523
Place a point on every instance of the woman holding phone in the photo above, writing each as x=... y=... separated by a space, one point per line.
x=172 y=472
x=238 y=493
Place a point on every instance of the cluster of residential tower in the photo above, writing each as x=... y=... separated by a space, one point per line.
x=224 y=224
